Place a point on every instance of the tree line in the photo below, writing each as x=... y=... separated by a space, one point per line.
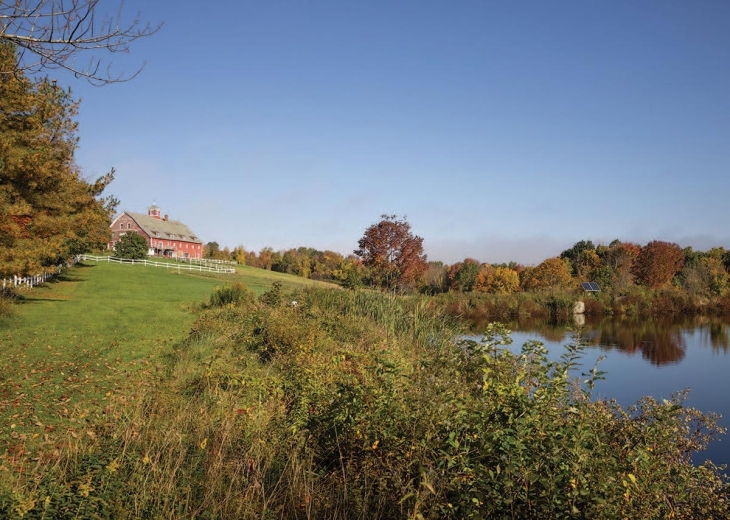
x=391 y=257
x=616 y=267
x=306 y=262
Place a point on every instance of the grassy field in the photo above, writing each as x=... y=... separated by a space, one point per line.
x=95 y=335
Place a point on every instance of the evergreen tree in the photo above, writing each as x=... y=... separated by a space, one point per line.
x=48 y=212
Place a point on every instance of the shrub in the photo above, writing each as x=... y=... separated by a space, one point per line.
x=229 y=295
x=594 y=307
x=273 y=296
x=560 y=307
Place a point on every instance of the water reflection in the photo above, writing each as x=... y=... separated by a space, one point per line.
x=718 y=335
x=660 y=341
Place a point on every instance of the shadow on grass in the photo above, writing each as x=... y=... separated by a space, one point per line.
x=70 y=276
x=26 y=300
x=25 y=297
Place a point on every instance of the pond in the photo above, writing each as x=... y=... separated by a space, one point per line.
x=652 y=357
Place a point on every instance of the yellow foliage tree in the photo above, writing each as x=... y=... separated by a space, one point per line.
x=500 y=280
x=239 y=255
x=551 y=274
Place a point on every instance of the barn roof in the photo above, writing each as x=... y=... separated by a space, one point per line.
x=169 y=229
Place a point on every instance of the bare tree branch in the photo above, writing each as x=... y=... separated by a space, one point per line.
x=54 y=34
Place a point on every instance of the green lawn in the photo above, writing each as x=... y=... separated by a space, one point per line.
x=95 y=334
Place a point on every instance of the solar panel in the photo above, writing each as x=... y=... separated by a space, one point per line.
x=590 y=286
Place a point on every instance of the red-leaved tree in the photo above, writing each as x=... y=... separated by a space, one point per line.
x=657 y=263
x=394 y=255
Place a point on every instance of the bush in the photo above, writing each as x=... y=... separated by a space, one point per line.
x=273 y=297
x=229 y=295
x=594 y=306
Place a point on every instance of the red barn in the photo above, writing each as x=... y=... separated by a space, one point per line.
x=164 y=237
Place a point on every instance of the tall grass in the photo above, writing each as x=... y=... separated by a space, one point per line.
x=418 y=319
x=7 y=299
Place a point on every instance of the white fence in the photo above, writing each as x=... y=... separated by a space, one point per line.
x=166 y=265
x=204 y=261
x=28 y=282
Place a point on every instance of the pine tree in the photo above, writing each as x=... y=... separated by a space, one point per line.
x=48 y=212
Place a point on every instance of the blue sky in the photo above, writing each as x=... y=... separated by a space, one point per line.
x=502 y=130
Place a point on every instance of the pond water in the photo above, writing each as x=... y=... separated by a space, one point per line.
x=652 y=357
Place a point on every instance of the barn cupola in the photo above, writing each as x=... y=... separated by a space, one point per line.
x=154 y=211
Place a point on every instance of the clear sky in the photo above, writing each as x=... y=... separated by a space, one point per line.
x=501 y=130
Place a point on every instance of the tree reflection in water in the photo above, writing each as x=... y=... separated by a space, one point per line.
x=660 y=341
x=719 y=337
